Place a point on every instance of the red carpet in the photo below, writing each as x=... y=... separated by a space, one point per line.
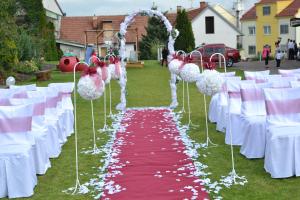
x=149 y=161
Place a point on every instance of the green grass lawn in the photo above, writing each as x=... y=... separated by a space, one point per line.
x=150 y=87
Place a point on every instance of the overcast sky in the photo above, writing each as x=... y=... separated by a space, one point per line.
x=112 y=7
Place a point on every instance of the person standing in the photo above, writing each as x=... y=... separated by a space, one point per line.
x=291 y=49
x=278 y=58
x=295 y=50
x=266 y=54
x=165 y=53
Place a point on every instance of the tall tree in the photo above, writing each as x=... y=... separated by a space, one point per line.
x=40 y=31
x=186 y=39
x=8 y=35
x=156 y=37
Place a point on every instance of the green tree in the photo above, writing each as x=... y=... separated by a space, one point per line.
x=50 y=43
x=186 y=39
x=8 y=35
x=35 y=16
x=156 y=36
x=40 y=31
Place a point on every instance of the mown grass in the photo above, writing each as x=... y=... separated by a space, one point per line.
x=150 y=87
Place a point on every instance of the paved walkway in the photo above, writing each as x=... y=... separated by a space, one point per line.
x=257 y=65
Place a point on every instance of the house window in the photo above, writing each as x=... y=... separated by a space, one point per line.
x=252 y=30
x=251 y=50
x=284 y=29
x=266 y=10
x=210 y=25
x=267 y=30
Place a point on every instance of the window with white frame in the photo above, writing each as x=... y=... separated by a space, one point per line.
x=266 y=10
x=284 y=29
x=252 y=50
x=252 y=30
x=267 y=30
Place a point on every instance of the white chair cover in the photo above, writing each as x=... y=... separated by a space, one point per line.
x=295 y=84
x=51 y=127
x=12 y=93
x=52 y=113
x=288 y=72
x=65 y=91
x=223 y=105
x=253 y=123
x=257 y=76
x=282 y=156
x=227 y=74
x=31 y=87
x=214 y=103
x=283 y=82
x=41 y=152
x=234 y=111
x=17 y=169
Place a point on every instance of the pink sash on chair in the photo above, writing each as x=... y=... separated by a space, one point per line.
x=15 y=125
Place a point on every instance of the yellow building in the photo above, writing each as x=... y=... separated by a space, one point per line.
x=267 y=21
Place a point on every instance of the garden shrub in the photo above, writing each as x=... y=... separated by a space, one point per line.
x=27 y=67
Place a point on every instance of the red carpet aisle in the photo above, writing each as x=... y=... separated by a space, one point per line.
x=148 y=161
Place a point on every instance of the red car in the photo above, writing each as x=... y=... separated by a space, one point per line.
x=231 y=55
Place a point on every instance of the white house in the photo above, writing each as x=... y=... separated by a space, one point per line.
x=54 y=14
x=210 y=26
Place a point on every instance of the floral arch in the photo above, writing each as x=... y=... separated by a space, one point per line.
x=173 y=33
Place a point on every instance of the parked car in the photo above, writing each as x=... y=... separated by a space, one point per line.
x=231 y=55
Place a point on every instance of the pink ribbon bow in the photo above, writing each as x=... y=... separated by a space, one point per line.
x=92 y=73
x=186 y=60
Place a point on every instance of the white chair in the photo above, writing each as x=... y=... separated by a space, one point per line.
x=288 y=72
x=52 y=113
x=42 y=145
x=282 y=155
x=31 y=87
x=11 y=93
x=214 y=102
x=6 y=94
x=282 y=82
x=233 y=122
x=223 y=105
x=293 y=84
x=65 y=91
x=51 y=127
x=17 y=169
x=257 y=76
x=253 y=123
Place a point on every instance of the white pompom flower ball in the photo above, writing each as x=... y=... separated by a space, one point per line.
x=174 y=66
x=210 y=82
x=190 y=72
x=91 y=86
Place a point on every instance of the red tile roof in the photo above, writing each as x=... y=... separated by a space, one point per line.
x=192 y=14
x=250 y=14
x=291 y=10
x=269 y=1
x=73 y=28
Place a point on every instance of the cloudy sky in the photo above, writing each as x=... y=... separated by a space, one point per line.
x=111 y=7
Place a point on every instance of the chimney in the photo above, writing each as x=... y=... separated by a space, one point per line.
x=179 y=8
x=203 y=4
x=95 y=22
